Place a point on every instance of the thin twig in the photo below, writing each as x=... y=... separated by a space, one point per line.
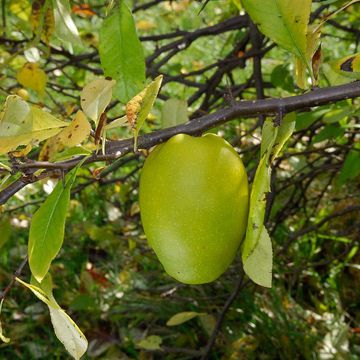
x=17 y=273
x=240 y=284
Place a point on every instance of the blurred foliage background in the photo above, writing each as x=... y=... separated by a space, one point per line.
x=107 y=277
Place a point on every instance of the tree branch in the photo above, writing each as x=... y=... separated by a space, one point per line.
x=238 y=286
x=17 y=273
x=249 y=108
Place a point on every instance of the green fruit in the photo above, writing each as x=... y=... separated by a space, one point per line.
x=194 y=206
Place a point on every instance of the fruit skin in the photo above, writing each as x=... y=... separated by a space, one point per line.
x=194 y=206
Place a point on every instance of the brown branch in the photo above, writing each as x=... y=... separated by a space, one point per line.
x=240 y=109
x=17 y=273
x=240 y=284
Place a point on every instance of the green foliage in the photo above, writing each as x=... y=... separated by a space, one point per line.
x=174 y=112
x=47 y=228
x=283 y=21
x=106 y=276
x=257 y=252
x=351 y=167
x=121 y=52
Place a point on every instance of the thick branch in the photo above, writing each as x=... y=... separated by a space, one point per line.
x=250 y=108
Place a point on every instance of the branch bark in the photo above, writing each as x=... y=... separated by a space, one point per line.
x=249 y=108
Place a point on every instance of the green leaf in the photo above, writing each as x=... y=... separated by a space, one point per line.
x=9 y=179
x=285 y=130
x=257 y=249
x=281 y=77
x=260 y=187
x=65 y=328
x=65 y=28
x=330 y=131
x=174 y=112
x=182 y=317
x=283 y=21
x=2 y=336
x=351 y=167
x=258 y=266
x=121 y=53
x=5 y=165
x=269 y=133
x=48 y=226
x=96 y=96
x=338 y=114
x=306 y=119
x=117 y=122
x=151 y=342
x=5 y=230
x=22 y=124
x=71 y=152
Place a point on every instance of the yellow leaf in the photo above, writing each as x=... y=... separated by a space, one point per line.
x=182 y=317
x=312 y=45
x=21 y=8
x=151 y=342
x=64 y=327
x=145 y=25
x=68 y=333
x=138 y=108
x=32 y=77
x=348 y=66
x=22 y=124
x=74 y=134
x=177 y=6
x=96 y=96
x=135 y=209
x=2 y=337
x=69 y=108
x=133 y=108
x=23 y=94
x=38 y=292
x=23 y=152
